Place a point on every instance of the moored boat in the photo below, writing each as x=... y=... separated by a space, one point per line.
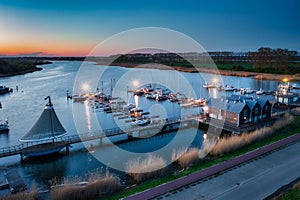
x=260 y=92
x=229 y=88
x=4 y=126
x=45 y=132
x=209 y=85
x=4 y=89
x=139 y=92
x=141 y=122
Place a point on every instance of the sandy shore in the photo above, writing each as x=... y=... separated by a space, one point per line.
x=255 y=75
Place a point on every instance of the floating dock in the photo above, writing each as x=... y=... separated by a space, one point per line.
x=3 y=183
x=14 y=182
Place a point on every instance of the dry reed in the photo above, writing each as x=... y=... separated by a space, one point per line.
x=229 y=144
x=96 y=186
x=177 y=154
x=206 y=147
x=191 y=156
x=186 y=157
x=296 y=185
x=142 y=169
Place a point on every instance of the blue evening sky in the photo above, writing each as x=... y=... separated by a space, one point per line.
x=216 y=25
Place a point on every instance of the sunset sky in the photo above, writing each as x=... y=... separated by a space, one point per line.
x=74 y=28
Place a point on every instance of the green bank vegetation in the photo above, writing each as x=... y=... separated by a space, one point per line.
x=16 y=66
x=264 y=60
x=152 y=171
x=191 y=163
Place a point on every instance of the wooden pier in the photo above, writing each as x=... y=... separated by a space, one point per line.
x=159 y=126
x=165 y=125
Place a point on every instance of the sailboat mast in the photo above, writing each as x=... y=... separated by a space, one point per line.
x=51 y=117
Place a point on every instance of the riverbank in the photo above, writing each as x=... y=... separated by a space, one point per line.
x=255 y=75
x=207 y=163
x=217 y=171
x=18 y=66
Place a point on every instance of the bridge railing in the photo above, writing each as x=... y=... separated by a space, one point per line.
x=94 y=135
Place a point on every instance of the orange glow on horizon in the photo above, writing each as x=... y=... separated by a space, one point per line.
x=54 y=49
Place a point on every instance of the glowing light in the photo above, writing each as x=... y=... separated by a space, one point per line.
x=285 y=80
x=135 y=83
x=85 y=87
x=204 y=136
x=215 y=80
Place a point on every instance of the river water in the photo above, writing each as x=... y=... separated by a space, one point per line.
x=23 y=107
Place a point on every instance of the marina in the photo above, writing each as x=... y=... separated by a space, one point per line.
x=164 y=117
x=149 y=100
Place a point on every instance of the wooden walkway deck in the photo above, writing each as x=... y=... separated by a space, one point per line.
x=29 y=147
x=162 y=126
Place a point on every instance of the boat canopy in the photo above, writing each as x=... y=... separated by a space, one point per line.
x=47 y=126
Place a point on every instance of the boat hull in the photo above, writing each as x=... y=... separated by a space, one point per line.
x=43 y=153
x=4 y=128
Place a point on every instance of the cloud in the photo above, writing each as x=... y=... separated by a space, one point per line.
x=34 y=54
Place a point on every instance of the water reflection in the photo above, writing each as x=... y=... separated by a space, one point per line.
x=23 y=109
x=88 y=116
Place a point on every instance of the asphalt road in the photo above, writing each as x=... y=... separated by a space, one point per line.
x=256 y=179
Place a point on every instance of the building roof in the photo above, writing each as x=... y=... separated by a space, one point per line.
x=236 y=103
x=235 y=106
x=47 y=127
x=251 y=103
x=262 y=102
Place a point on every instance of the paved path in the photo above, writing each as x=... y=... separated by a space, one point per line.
x=225 y=184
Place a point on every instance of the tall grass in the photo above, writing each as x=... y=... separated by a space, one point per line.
x=296 y=185
x=226 y=145
x=186 y=157
x=206 y=147
x=97 y=185
x=141 y=169
x=176 y=154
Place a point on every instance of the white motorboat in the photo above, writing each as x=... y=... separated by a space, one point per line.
x=209 y=85
x=260 y=92
x=4 y=126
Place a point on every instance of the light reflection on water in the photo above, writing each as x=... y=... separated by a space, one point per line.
x=23 y=108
